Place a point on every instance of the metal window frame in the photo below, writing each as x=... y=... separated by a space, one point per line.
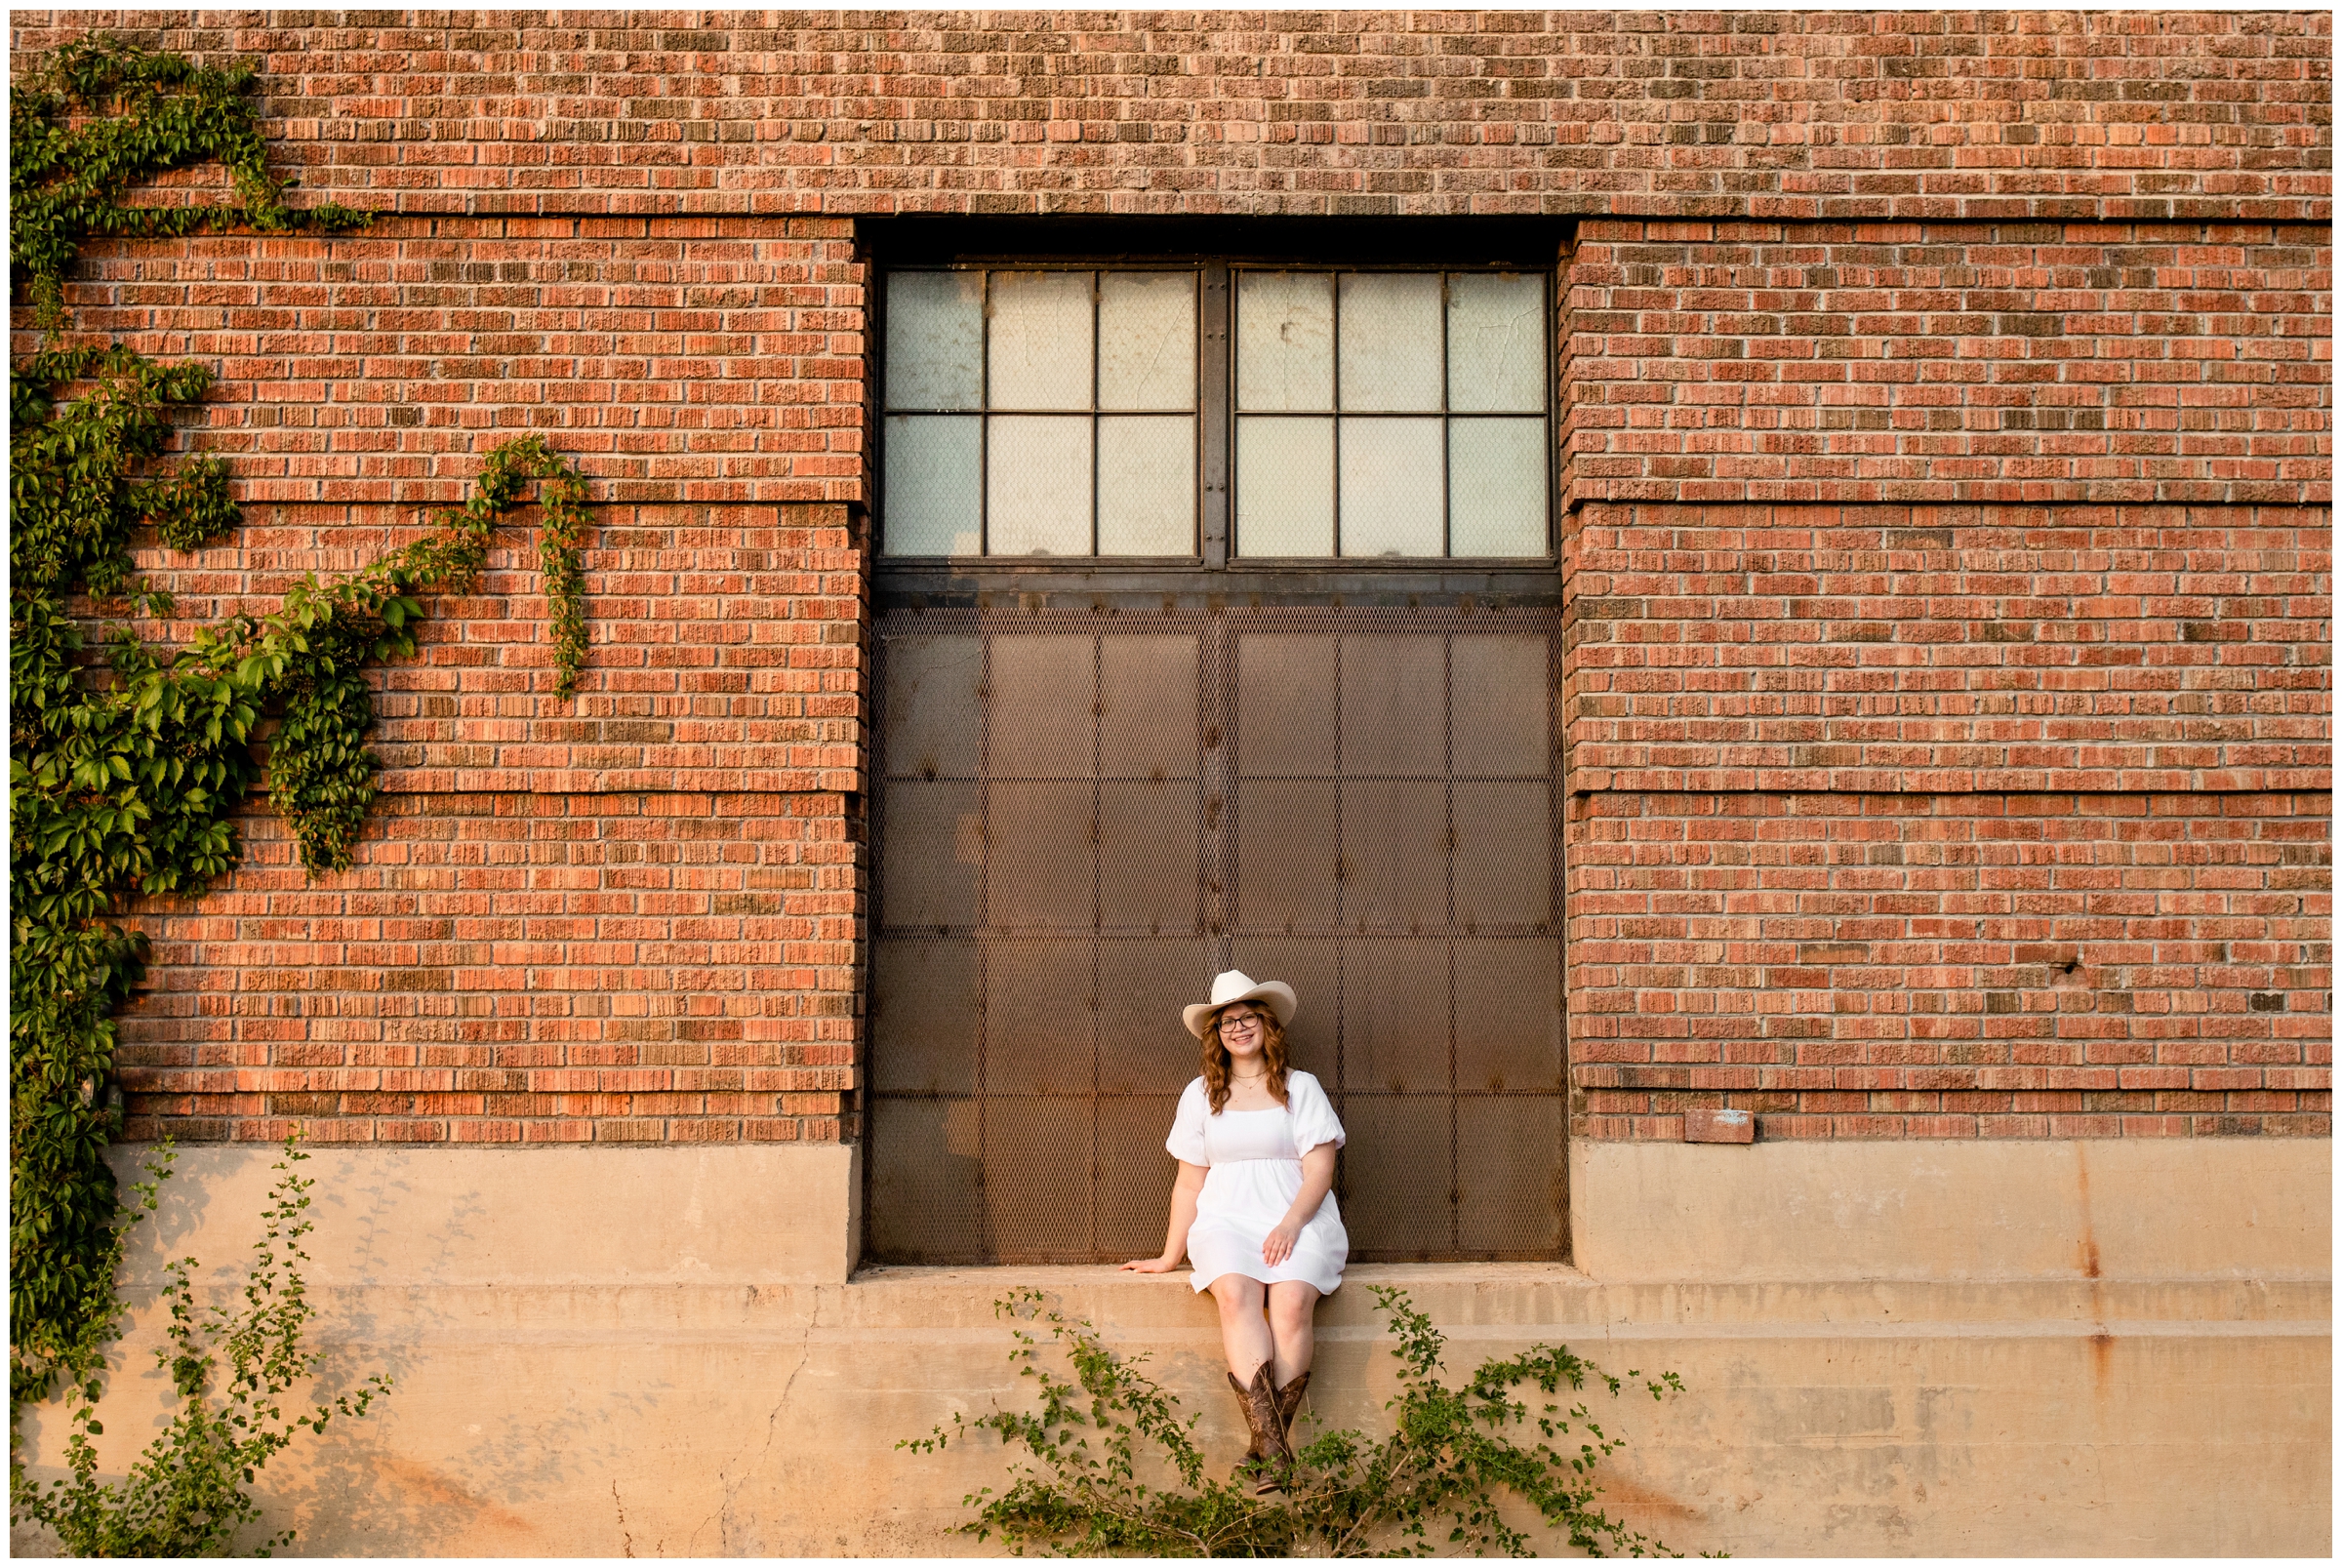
x=1446 y=414
x=1215 y=576
x=1216 y=567
x=985 y=411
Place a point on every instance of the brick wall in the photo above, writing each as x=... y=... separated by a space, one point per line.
x=518 y=967
x=1947 y=443
x=1923 y=114
x=1953 y=966
x=1948 y=650
x=1949 y=821
x=2110 y=363
x=630 y=917
x=696 y=360
x=704 y=375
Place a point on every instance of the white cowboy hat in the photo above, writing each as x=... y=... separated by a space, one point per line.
x=1231 y=985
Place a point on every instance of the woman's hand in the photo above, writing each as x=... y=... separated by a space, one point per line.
x=1150 y=1265
x=1279 y=1245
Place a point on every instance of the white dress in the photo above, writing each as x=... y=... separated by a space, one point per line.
x=1255 y=1161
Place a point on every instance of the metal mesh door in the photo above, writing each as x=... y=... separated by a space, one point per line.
x=1081 y=818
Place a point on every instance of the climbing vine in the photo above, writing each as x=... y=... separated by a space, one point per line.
x=232 y=1368
x=101 y=116
x=126 y=765
x=1110 y=1467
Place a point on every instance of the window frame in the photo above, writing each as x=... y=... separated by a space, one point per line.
x=1216 y=559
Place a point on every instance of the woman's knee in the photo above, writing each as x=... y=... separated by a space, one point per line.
x=1292 y=1307
x=1238 y=1296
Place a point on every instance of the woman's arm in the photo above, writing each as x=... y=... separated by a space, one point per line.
x=1184 y=1193
x=1316 y=1180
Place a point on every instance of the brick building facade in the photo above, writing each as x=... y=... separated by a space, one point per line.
x=1942 y=477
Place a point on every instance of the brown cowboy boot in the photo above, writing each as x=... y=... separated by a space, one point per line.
x=1252 y=1455
x=1268 y=1451
x=1288 y=1404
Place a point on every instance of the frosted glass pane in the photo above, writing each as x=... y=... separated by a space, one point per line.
x=1039 y=485
x=1146 y=486
x=1284 y=487
x=1147 y=340
x=935 y=340
x=932 y=468
x=1391 y=487
x=1496 y=487
x=1040 y=341
x=1390 y=341
x=1496 y=350
x=1285 y=341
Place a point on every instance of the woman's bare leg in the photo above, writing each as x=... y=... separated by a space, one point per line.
x=1293 y=1325
x=1243 y=1330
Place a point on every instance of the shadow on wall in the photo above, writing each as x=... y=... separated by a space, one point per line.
x=367 y=1488
x=356 y=1487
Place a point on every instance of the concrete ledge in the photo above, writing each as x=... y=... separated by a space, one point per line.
x=2147 y=1416
x=661 y=1352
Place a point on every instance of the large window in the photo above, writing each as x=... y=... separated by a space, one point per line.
x=1373 y=414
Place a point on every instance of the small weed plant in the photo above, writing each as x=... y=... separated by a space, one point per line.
x=1112 y=1469
x=234 y=1369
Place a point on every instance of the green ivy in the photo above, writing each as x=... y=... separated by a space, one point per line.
x=127 y=762
x=98 y=117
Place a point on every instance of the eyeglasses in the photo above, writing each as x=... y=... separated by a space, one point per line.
x=1241 y=1020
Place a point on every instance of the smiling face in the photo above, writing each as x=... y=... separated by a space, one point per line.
x=1241 y=1036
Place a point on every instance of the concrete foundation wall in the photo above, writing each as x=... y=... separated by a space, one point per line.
x=1998 y=1348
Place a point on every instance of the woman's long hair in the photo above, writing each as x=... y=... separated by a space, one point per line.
x=1215 y=1061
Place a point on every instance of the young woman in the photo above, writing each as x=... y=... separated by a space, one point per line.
x=1253 y=1208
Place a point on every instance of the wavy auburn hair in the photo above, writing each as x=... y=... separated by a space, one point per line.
x=1217 y=1061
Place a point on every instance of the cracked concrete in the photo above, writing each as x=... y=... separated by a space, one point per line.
x=722 y=1516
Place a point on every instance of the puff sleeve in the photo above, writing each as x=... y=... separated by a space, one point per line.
x=1314 y=1118
x=1186 y=1141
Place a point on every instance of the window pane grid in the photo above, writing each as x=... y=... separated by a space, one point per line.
x=1366 y=513
x=1323 y=467
x=1008 y=402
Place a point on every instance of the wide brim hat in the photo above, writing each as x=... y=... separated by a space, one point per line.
x=1232 y=986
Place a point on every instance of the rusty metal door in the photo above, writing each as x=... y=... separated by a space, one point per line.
x=1081 y=817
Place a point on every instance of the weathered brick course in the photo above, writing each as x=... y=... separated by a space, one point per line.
x=1953 y=966
x=516 y=967
x=726 y=656
x=1882 y=362
x=678 y=360
x=2150 y=649
x=1929 y=114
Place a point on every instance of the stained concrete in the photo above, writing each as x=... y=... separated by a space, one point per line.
x=2001 y=1349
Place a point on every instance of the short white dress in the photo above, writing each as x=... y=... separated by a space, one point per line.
x=1255 y=1161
